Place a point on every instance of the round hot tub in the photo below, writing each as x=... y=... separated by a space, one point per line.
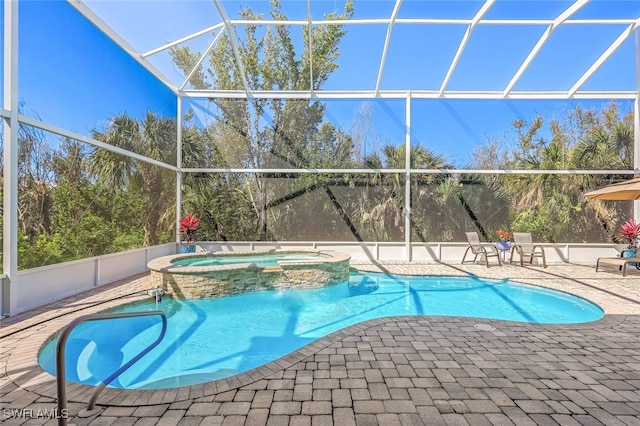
x=200 y=275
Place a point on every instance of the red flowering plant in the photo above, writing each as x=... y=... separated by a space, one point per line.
x=189 y=225
x=502 y=235
x=630 y=232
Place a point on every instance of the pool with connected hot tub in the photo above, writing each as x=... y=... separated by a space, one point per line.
x=218 y=274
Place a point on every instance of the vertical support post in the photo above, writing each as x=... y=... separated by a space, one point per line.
x=11 y=125
x=96 y=272
x=636 y=127
x=179 y=165
x=309 y=30
x=636 y=150
x=407 y=179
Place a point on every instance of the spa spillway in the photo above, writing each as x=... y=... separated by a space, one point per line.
x=201 y=275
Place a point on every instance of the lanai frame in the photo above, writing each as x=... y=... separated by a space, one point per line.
x=12 y=118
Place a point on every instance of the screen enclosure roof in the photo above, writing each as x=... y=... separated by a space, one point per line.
x=432 y=49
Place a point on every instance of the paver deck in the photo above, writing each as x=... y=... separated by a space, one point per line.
x=409 y=370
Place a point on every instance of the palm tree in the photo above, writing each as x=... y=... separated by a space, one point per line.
x=153 y=137
x=605 y=147
x=551 y=205
x=544 y=204
x=432 y=194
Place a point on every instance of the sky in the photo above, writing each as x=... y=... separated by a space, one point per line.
x=71 y=75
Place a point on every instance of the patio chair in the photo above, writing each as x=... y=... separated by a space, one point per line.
x=524 y=247
x=479 y=249
x=620 y=262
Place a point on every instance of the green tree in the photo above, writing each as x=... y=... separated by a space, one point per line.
x=549 y=200
x=552 y=206
x=35 y=180
x=270 y=62
x=85 y=218
x=90 y=220
x=606 y=144
x=154 y=137
x=432 y=195
x=221 y=201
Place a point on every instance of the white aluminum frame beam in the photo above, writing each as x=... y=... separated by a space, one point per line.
x=200 y=61
x=636 y=126
x=85 y=139
x=387 y=40
x=232 y=40
x=463 y=43
x=401 y=94
x=10 y=177
x=441 y=21
x=636 y=152
x=309 y=29
x=603 y=58
x=411 y=171
x=407 y=178
x=88 y=13
x=179 y=173
x=562 y=18
x=208 y=30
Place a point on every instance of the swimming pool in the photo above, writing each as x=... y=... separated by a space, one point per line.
x=209 y=339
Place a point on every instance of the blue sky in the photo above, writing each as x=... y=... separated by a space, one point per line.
x=72 y=76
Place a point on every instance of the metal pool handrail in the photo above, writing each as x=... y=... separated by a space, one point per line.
x=60 y=358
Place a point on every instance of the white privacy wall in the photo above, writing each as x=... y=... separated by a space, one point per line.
x=38 y=286
x=419 y=252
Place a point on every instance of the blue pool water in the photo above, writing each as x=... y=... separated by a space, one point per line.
x=260 y=260
x=209 y=339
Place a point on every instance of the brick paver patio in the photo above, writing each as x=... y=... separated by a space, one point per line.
x=393 y=371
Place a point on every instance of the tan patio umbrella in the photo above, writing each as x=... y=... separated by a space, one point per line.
x=627 y=190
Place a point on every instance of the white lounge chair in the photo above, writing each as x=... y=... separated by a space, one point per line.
x=619 y=262
x=524 y=247
x=479 y=249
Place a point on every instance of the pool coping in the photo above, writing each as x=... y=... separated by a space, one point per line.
x=165 y=264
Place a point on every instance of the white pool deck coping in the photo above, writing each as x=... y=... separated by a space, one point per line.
x=24 y=384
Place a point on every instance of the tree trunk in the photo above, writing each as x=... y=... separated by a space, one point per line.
x=153 y=186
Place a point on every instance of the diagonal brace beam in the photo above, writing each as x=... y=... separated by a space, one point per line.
x=463 y=43
x=603 y=58
x=541 y=42
x=392 y=20
x=234 y=46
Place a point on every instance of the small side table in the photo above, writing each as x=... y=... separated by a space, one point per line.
x=503 y=248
